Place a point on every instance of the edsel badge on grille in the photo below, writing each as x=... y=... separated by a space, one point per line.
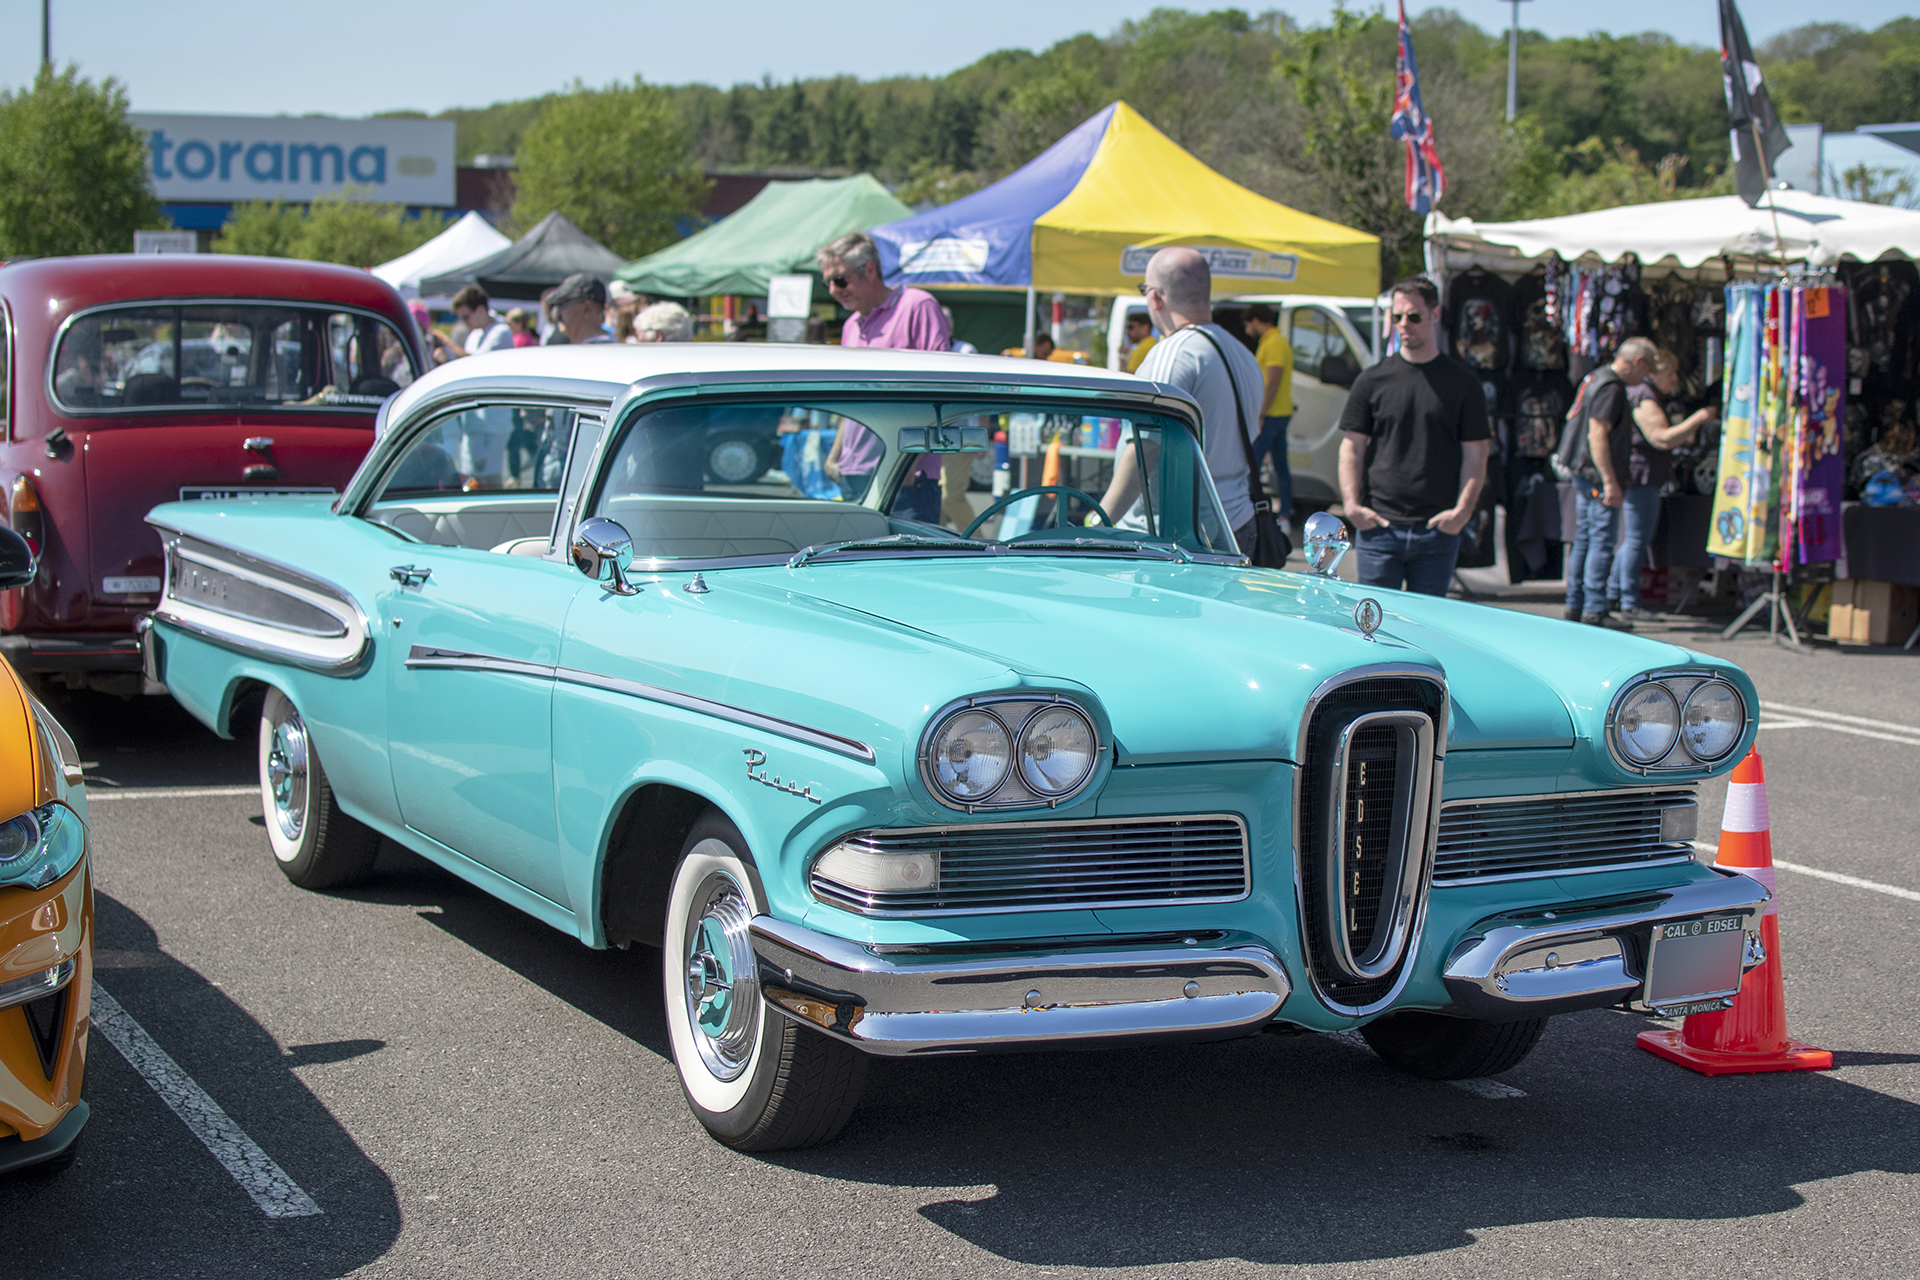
x=1366 y=616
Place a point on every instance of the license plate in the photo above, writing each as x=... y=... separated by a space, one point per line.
x=1694 y=960
x=207 y=493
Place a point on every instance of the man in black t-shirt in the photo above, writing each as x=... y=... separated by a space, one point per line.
x=1413 y=453
x=1608 y=421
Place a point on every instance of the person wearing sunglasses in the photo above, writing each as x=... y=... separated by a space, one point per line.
x=883 y=316
x=1413 y=452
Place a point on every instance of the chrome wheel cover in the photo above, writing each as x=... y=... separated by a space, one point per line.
x=721 y=980
x=287 y=777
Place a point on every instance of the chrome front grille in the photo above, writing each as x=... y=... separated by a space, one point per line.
x=1482 y=840
x=1029 y=866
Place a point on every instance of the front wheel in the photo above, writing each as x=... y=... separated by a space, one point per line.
x=316 y=844
x=756 y=1080
x=1443 y=1048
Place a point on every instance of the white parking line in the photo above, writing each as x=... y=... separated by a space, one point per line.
x=97 y=792
x=1859 y=726
x=266 y=1182
x=1891 y=890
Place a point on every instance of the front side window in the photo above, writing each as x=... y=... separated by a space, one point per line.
x=487 y=478
x=855 y=471
x=241 y=355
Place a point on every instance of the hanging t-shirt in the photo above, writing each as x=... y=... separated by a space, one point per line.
x=1480 y=319
x=1416 y=417
x=1883 y=304
x=1540 y=410
x=1543 y=344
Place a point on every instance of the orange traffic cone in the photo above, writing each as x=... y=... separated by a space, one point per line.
x=1751 y=1036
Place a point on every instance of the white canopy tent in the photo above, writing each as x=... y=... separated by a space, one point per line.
x=466 y=241
x=1693 y=237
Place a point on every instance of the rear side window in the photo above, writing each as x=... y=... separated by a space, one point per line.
x=243 y=355
x=6 y=372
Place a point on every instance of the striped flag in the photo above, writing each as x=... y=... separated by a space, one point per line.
x=1426 y=180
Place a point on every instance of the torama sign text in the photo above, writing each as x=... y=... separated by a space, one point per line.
x=298 y=157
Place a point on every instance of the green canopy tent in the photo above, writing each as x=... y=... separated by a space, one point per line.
x=775 y=233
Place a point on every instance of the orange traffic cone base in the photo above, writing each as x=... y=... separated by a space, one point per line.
x=1796 y=1055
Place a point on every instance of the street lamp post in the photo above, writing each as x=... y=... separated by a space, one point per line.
x=1513 y=62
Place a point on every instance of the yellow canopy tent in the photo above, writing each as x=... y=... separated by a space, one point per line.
x=1087 y=214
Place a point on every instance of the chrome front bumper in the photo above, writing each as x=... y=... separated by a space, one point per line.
x=1514 y=967
x=974 y=998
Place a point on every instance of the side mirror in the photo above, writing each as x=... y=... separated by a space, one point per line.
x=1326 y=543
x=603 y=551
x=17 y=561
x=1338 y=371
x=946 y=438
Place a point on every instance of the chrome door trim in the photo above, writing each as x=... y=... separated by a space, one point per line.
x=427 y=656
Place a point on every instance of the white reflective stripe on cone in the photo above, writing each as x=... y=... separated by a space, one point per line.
x=1746 y=807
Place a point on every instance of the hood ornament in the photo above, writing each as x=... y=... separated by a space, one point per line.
x=1366 y=616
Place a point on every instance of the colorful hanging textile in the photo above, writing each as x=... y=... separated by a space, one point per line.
x=1739 y=530
x=1812 y=501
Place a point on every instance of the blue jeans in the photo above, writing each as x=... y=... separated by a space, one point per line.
x=918 y=499
x=1421 y=557
x=1272 y=440
x=1590 y=558
x=1640 y=510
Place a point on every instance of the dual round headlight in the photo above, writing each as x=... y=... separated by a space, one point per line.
x=1051 y=750
x=1651 y=719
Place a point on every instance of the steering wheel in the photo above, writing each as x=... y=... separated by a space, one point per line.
x=1059 y=508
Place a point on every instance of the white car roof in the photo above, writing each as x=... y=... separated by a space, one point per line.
x=617 y=366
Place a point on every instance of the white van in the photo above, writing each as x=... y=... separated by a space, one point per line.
x=1333 y=339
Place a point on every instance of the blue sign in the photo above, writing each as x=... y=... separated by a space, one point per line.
x=296 y=158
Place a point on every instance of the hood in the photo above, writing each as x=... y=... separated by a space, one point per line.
x=1189 y=661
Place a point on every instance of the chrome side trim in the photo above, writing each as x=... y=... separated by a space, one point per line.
x=1076 y=991
x=338 y=654
x=426 y=656
x=1499 y=970
x=1375 y=671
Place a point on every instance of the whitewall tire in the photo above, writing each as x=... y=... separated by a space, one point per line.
x=316 y=845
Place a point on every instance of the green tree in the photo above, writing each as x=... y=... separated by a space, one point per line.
x=262 y=228
x=616 y=161
x=73 y=169
x=336 y=228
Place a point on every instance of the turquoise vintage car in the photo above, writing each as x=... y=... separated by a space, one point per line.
x=877 y=787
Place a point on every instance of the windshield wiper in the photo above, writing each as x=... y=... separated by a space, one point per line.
x=893 y=542
x=1158 y=550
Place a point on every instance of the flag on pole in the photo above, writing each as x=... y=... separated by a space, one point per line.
x=1426 y=180
x=1755 y=124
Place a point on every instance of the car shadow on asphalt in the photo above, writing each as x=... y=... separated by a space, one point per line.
x=148 y=742
x=145 y=1196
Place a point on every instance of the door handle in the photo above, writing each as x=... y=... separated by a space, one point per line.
x=409 y=575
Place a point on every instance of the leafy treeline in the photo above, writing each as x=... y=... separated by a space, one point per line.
x=1295 y=112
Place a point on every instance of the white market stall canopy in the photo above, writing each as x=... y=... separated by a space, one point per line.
x=466 y=241
x=1693 y=237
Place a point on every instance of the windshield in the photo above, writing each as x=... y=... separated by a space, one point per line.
x=251 y=355
x=726 y=481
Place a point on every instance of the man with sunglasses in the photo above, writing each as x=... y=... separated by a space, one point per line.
x=1413 y=453
x=884 y=316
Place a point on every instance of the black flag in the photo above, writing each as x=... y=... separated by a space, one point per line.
x=1749 y=109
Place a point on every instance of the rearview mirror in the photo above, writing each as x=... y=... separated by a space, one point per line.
x=17 y=564
x=603 y=551
x=947 y=438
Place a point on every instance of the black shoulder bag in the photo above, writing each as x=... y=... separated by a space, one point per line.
x=1271 y=545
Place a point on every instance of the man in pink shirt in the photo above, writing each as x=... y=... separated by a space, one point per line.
x=883 y=316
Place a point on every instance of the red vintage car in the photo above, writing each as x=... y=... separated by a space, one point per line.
x=128 y=381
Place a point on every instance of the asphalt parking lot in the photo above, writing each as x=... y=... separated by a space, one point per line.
x=460 y=1091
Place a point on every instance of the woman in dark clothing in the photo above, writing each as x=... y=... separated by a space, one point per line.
x=1649 y=467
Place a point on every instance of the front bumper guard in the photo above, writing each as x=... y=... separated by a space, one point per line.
x=1547 y=963
x=973 y=998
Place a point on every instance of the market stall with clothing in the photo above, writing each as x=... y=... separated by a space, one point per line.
x=1798 y=319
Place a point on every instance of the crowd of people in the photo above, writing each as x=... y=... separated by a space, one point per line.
x=1415 y=435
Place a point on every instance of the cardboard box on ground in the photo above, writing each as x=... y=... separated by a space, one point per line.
x=1872 y=612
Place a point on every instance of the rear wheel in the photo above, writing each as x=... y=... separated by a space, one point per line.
x=756 y=1080
x=316 y=844
x=1443 y=1048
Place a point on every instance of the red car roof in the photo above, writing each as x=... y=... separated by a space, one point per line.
x=75 y=283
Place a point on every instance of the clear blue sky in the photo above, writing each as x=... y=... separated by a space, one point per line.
x=350 y=57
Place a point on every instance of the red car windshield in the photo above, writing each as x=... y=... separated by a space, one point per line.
x=244 y=355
